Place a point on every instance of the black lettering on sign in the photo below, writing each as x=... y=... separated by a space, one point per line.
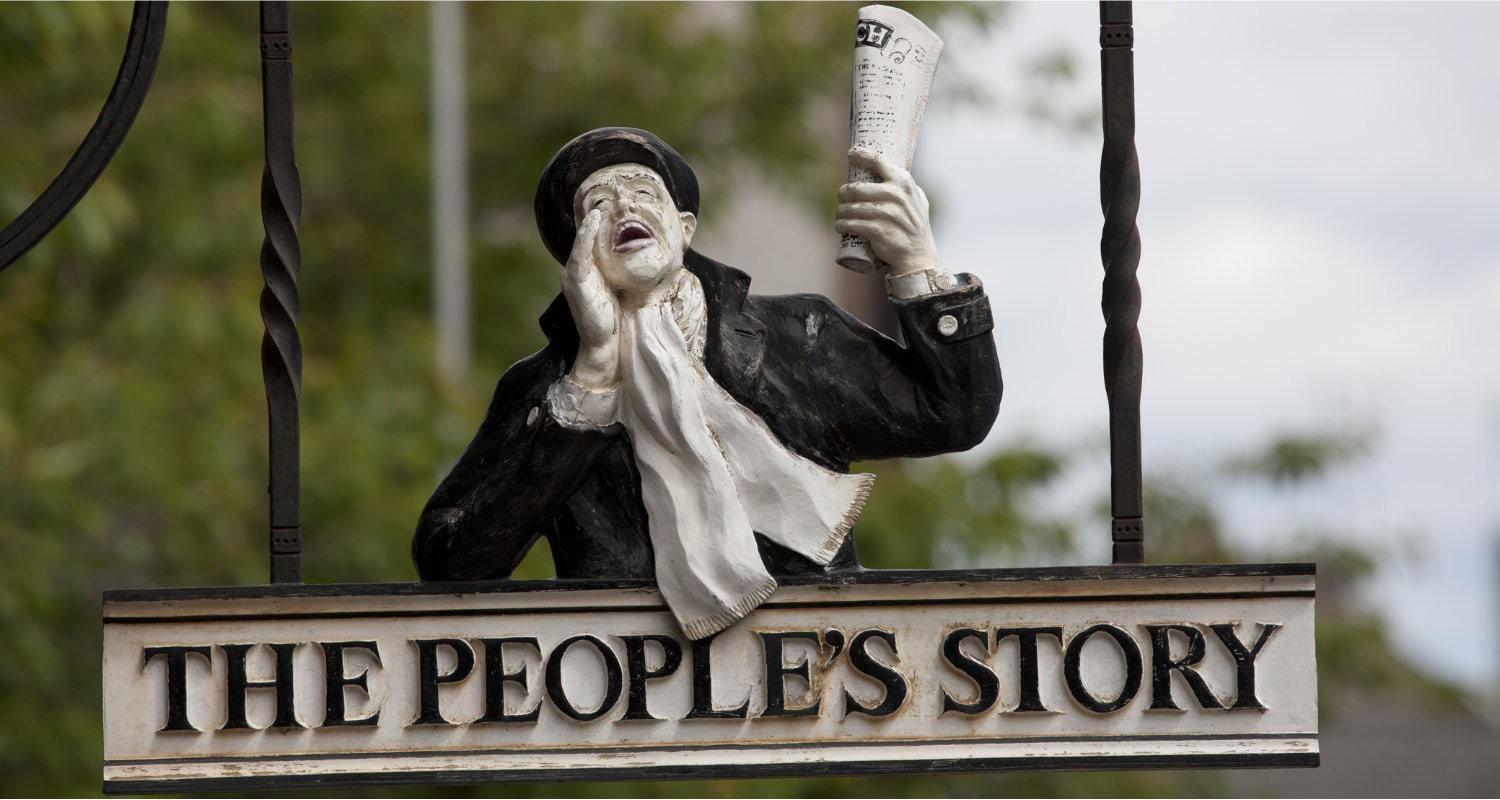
x=1162 y=665
x=429 y=678
x=869 y=33
x=1030 y=680
x=612 y=681
x=1244 y=661
x=984 y=678
x=777 y=669
x=495 y=678
x=237 y=686
x=894 y=683
x=333 y=672
x=639 y=672
x=703 y=686
x=177 y=699
x=1074 y=676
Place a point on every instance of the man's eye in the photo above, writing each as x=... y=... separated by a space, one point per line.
x=646 y=192
x=597 y=203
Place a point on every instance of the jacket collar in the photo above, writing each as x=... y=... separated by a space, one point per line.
x=735 y=350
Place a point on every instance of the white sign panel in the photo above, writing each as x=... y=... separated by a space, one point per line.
x=909 y=671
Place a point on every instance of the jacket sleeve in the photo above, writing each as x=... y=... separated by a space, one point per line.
x=509 y=485
x=939 y=393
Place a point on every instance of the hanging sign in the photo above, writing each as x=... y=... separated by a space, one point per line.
x=903 y=671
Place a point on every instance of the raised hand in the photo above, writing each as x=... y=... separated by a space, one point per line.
x=596 y=312
x=891 y=215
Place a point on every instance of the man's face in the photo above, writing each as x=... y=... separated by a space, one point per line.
x=643 y=235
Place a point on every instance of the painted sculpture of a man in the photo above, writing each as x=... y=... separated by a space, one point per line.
x=677 y=427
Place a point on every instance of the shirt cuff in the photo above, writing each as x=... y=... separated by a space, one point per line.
x=954 y=315
x=578 y=406
x=921 y=283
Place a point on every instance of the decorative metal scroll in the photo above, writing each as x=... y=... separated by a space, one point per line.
x=280 y=262
x=1120 y=249
x=148 y=24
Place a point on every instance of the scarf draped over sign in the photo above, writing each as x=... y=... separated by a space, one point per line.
x=713 y=474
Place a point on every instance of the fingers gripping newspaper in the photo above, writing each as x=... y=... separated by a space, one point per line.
x=894 y=58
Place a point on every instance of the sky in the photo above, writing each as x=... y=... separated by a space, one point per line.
x=1320 y=209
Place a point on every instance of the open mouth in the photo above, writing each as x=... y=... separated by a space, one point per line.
x=630 y=236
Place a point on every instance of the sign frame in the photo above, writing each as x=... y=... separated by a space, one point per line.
x=152 y=606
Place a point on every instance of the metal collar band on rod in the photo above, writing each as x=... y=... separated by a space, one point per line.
x=280 y=263
x=1120 y=250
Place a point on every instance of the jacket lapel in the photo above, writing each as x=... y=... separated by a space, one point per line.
x=737 y=345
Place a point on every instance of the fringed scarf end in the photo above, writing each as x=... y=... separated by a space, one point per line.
x=704 y=627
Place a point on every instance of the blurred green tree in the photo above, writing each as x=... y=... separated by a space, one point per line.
x=132 y=439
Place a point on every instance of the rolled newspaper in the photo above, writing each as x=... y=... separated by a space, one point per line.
x=894 y=58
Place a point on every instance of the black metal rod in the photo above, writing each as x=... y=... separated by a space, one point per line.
x=1120 y=250
x=148 y=24
x=280 y=263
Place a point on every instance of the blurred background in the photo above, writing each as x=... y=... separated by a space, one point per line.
x=1321 y=198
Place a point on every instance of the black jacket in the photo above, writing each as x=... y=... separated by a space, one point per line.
x=831 y=388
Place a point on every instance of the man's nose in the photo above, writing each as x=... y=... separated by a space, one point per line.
x=624 y=198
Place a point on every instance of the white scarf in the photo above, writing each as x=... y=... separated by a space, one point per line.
x=713 y=473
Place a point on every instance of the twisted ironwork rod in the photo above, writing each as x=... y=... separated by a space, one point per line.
x=280 y=263
x=1120 y=250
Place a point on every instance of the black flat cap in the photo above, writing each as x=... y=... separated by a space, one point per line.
x=595 y=150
